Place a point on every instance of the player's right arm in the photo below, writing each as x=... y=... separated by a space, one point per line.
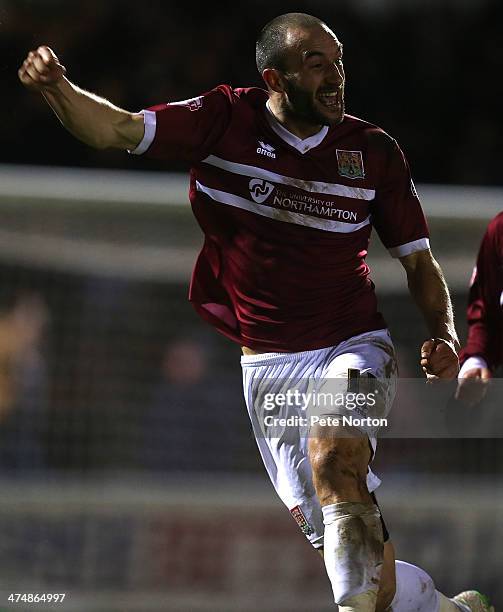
x=88 y=117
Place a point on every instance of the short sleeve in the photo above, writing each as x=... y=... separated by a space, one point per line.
x=396 y=211
x=185 y=130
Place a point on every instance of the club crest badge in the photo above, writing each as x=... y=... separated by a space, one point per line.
x=350 y=164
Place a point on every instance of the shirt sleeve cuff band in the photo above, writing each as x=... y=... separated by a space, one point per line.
x=149 y=119
x=410 y=247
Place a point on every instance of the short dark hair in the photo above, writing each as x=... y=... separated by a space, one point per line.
x=270 y=46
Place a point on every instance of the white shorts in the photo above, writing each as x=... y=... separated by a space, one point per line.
x=284 y=450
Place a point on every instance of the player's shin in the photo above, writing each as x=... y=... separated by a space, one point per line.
x=353 y=553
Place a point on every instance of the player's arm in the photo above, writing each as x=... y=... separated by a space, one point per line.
x=427 y=286
x=89 y=118
x=484 y=313
x=474 y=357
x=482 y=352
x=401 y=225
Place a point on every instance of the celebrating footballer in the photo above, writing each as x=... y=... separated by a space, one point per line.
x=287 y=188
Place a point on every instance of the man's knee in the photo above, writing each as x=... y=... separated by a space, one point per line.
x=339 y=461
x=338 y=452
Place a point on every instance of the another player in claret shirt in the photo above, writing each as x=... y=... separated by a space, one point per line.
x=287 y=187
x=483 y=352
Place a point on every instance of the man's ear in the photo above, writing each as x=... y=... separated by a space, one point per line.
x=274 y=80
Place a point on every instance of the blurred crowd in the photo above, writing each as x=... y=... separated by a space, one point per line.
x=426 y=72
x=23 y=380
x=105 y=375
x=102 y=375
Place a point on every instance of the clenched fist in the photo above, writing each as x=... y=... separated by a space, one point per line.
x=41 y=69
x=439 y=359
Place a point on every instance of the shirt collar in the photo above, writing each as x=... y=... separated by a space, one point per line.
x=302 y=145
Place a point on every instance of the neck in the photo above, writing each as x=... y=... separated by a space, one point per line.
x=298 y=127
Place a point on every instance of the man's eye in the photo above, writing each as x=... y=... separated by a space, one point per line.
x=316 y=65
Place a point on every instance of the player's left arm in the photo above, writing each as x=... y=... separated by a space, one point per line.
x=439 y=354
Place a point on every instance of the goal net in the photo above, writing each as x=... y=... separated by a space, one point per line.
x=130 y=478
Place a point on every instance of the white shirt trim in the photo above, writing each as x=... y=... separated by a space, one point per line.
x=302 y=145
x=288 y=216
x=472 y=363
x=403 y=250
x=309 y=186
x=150 y=123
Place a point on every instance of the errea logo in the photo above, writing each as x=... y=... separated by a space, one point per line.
x=266 y=149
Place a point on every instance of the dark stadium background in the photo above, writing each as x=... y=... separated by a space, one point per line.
x=102 y=394
x=425 y=71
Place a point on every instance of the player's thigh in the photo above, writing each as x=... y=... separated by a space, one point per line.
x=360 y=401
x=371 y=352
x=283 y=447
x=372 y=355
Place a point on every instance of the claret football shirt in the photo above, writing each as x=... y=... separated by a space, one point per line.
x=286 y=221
x=485 y=303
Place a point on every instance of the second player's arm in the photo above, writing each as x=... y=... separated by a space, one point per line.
x=91 y=119
x=430 y=292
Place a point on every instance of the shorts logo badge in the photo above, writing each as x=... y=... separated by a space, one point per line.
x=301 y=521
x=350 y=164
x=260 y=190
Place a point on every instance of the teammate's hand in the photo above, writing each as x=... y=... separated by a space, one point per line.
x=41 y=69
x=439 y=359
x=473 y=386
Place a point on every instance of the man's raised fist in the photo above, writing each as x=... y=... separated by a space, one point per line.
x=41 y=69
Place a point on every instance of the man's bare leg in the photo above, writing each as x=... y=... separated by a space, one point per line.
x=353 y=540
